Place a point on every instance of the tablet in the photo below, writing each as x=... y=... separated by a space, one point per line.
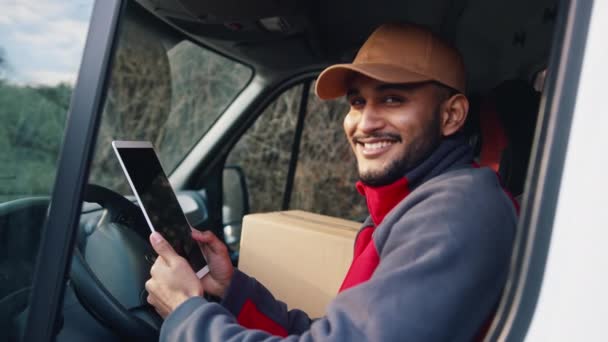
x=157 y=199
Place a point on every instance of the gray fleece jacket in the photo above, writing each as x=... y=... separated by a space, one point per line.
x=429 y=265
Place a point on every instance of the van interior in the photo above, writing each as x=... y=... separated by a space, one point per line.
x=505 y=45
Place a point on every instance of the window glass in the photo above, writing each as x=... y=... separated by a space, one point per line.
x=41 y=44
x=326 y=172
x=162 y=89
x=264 y=152
x=326 y=169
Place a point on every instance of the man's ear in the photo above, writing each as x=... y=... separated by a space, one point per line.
x=454 y=114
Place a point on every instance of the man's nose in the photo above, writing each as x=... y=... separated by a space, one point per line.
x=370 y=120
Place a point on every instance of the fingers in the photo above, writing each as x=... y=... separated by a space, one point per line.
x=163 y=248
x=203 y=237
x=157 y=266
x=208 y=241
x=151 y=287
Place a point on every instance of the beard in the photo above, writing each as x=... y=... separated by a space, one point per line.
x=417 y=150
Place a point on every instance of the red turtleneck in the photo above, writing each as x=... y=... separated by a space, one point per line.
x=380 y=201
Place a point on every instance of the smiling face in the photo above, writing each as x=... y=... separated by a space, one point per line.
x=393 y=127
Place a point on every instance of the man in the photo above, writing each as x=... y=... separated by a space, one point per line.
x=431 y=260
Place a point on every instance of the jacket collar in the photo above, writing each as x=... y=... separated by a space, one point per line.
x=452 y=153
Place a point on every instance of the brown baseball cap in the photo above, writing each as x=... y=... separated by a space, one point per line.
x=397 y=53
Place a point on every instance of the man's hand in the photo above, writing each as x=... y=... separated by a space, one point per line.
x=218 y=279
x=173 y=280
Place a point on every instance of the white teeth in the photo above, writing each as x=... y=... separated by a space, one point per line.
x=377 y=145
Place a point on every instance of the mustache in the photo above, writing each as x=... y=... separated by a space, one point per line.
x=377 y=135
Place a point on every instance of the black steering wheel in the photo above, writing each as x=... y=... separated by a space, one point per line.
x=111 y=265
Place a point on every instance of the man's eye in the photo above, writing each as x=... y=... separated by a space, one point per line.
x=356 y=102
x=393 y=100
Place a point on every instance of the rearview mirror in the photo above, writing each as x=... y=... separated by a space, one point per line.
x=236 y=203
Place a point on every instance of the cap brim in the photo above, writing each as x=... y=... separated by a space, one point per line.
x=332 y=82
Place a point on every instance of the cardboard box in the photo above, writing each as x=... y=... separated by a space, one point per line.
x=300 y=257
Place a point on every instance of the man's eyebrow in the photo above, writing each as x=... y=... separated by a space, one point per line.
x=388 y=86
x=351 y=92
x=398 y=86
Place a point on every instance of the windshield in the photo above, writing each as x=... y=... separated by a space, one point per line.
x=162 y=89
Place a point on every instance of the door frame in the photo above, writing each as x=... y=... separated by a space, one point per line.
x=60 y=230
x=544 y=177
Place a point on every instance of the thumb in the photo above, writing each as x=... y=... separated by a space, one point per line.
x=162 y=247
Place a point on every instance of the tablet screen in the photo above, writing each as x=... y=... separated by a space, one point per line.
x=159 y=201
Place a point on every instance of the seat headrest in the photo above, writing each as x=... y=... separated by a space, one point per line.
x=517 y=108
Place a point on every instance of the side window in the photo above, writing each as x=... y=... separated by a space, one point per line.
x=40 y=51
x=264 y=152
x=164 y=90
x=326 y=171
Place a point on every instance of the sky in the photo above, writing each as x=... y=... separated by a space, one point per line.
x=42 y=40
